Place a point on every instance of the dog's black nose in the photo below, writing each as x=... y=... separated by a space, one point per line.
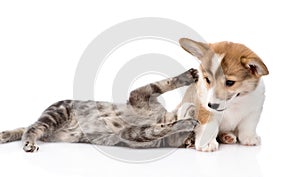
x=213 y=106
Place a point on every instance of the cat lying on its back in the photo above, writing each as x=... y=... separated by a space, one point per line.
x=141 y=123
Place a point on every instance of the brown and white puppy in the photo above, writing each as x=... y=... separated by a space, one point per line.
x=229 y=95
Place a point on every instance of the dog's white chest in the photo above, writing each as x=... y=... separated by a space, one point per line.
x=242 y=108
x=231 y=118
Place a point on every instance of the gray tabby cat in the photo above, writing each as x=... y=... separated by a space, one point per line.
x=141 y=123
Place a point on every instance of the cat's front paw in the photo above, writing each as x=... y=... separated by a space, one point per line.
x=30 y=147
x=189 y=77
x=186 y=124
x=186 y=111
x=193 y=75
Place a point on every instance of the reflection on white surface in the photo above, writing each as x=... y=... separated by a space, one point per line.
x=61 y=159
x=230 y=160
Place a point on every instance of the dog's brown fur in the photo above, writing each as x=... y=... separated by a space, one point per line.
x=236 y=58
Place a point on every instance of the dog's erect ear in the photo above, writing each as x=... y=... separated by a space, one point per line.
x=198 y=49
x=256 y=66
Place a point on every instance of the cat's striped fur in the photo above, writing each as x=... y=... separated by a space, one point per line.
x=141 y=123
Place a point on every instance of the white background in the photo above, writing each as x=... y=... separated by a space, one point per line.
x=41 y=43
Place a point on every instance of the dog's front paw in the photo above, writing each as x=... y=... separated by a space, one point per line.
x=30 y=147
x=212 y=146
x=250 y=140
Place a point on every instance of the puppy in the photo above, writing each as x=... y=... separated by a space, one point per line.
x=229 y=95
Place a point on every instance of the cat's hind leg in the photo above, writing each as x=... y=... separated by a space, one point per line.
x=53 y=118
x=32 y=134
x=11 y=135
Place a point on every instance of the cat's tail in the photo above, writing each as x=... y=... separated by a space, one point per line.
x=11 y=135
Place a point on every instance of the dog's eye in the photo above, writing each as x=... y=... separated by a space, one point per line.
x=207 y=80
x=229 y=83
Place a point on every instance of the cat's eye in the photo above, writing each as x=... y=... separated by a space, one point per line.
x=207 y=80
x=229 y=83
